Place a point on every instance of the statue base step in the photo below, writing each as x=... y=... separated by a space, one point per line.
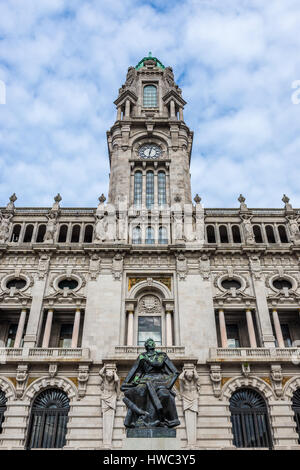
x=152 y=441
x=151 y=432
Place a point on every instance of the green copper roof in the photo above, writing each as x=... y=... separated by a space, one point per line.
x=141 y=62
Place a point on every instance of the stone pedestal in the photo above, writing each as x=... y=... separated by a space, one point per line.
x=151 y=439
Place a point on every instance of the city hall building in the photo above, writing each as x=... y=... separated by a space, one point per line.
x=81 y=289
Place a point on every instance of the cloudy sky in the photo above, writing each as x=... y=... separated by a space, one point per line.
x=62 y=62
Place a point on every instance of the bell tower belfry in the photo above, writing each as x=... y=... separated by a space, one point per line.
x=149 y=144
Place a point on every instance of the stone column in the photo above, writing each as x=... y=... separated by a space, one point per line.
x=181 y=114
x=130 y=318
x=127 y=108
x=76 y=327
x=277 y=327
x=223 y=332
x=20 y=330
x=119 y=113
x=172 y=109
x=169 y=329
x=251 y=331
x=48 y=327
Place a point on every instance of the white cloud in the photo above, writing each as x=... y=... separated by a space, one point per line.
x=63 y=61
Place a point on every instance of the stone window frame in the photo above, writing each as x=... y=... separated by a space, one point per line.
x=62 y=277
x=10 y=277
x=287 y=277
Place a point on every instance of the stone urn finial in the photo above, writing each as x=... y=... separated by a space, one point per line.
x=197 y=199
x=102 y=199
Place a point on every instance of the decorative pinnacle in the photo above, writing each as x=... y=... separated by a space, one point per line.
x=102 y=199
x=177 y=198
x=58 y=198
x=241 y=199
x=197 y=199
x=13 y=198
x=285 y=199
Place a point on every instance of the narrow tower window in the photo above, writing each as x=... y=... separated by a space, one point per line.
x=149 y=189
x=150 y=96
x=136 y=235
x=150 y=236
x=162 y=193
x=138 y=188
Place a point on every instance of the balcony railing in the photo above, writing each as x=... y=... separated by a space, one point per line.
x=176 y=350
x=43 y=353
x=258 y=354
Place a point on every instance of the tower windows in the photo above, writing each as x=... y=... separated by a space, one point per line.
x=48 y=420
x=210 y=232
x=149 y=189
x=41 y=233
x=16 y=233
x=223 y=234
x=162 y=235
x=138 y=188
x=88 y=234
x=236 y=235
x=28 y=234
x=75 y=234
x=150 y=96
x=162 y=193
x=149 y=236
x=270 y=234
x=149 y=327
x=136 y=235
x=250 y=421
x=257 y=234
x=282 y=234
x=62 y=238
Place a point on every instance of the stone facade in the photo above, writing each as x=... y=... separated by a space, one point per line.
x=221 y=286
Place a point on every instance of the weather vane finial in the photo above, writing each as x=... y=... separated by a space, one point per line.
x=150 y=54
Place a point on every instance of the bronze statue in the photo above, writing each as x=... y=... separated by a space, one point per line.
x=148 y=390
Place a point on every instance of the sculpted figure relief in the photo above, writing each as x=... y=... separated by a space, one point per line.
x=248 y=230
x=5 y=224
x=51 y=228
x=294 y=229
x=110 y=389
x=148 y=392
x=100 y=228
x=189 y=390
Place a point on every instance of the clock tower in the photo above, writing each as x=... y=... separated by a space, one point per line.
x=150 y=144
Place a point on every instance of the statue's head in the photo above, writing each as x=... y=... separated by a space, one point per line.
x=109 y=374
x=149 y=344
x=189 y=374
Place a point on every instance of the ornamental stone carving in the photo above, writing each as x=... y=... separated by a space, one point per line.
x=5 y=225
x=216 y=378
x=109 y=392
x=276 y=376
x=51 y=227
x=21 y=379
x=255 y=266
x=149 y=304
x=117 y=266
x=11 y=205
x=94 y=266
x=189 y=391
x=43 y=266
x=83 y=376
x=181 y=265
x=204 y=267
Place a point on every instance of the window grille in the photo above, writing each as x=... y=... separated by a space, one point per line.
x=150 y=96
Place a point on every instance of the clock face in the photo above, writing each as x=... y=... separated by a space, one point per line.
x=149 y=151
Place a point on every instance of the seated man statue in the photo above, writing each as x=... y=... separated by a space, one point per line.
x=148 y=390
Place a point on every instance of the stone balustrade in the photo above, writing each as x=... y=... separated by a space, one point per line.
x=255 y=354
x=10 y=354
x=176 y=350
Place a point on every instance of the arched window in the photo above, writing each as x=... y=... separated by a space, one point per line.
x=162 y=235
x=257 y=234
x=236 y=235
x=250 y=420
x=270 y=234
x=162 y=192
x=28 y=234
x=136 y=235
x=149 y=235
x=138 y=188
x=149 y=189
x=41 y=234
x=282 y=234
x=210 y=232
x=296 y=409
x=75 y=234
x=150 y=96
x=48 y=420
x=223 y=234
x=16 y=233
x=88 y=234
x=3 y=401
x=62 y=237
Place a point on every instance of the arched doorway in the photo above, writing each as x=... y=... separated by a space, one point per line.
x=250 y=420
x=3 y=401
x=296 y=409
x=48 y=420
